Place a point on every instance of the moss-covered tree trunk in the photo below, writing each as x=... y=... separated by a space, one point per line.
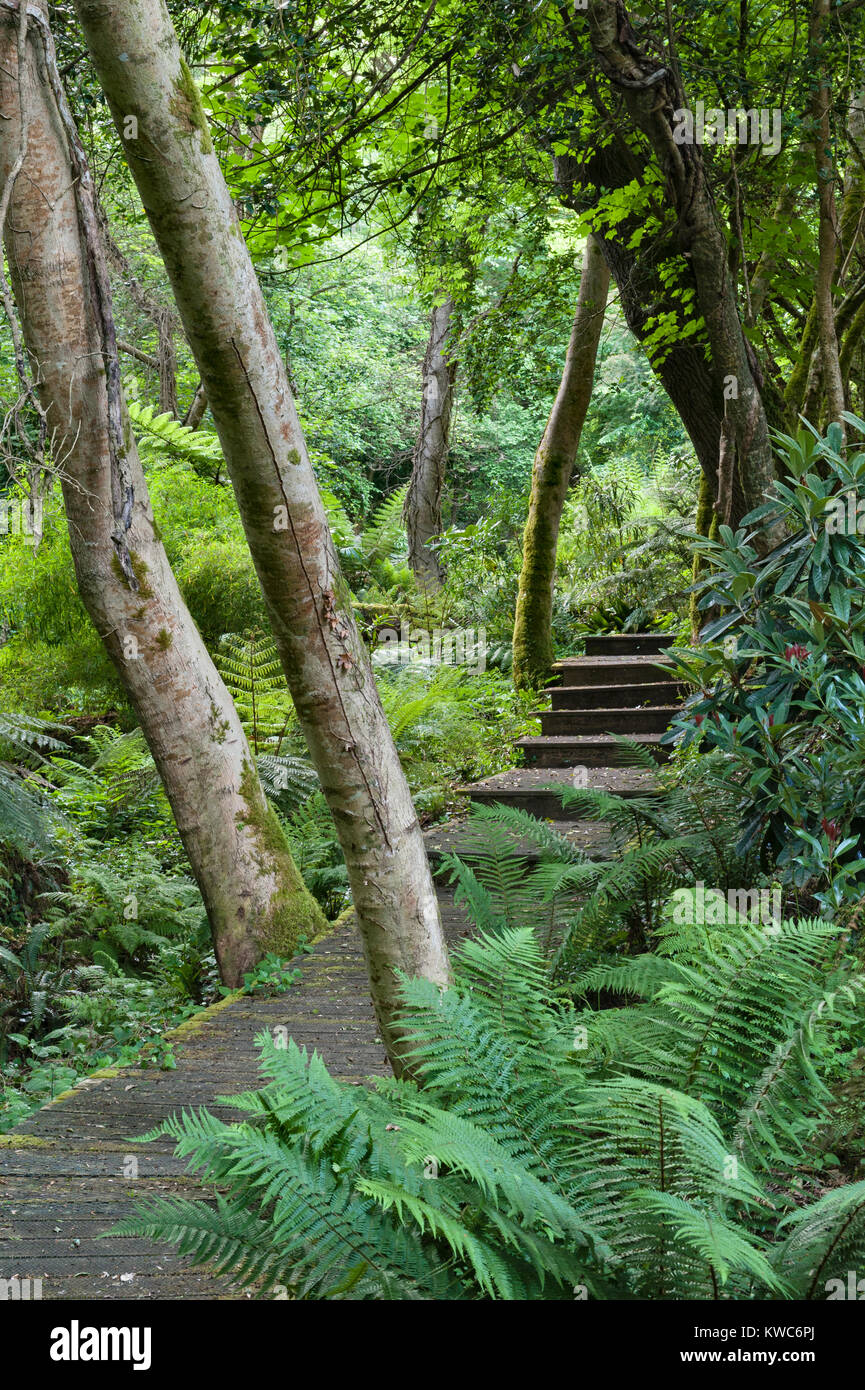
x=423 y=503
x=254 y=895
x=551 y=475
x=706 y=525
x=144 y=76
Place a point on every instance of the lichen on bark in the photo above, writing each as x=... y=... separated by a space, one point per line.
x=139 y=569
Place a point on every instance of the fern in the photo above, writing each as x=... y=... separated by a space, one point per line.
x=525 y=1163
x=824 y=1242
x=250 y=666
x=252 y=671
x=344 y=535
x=733 y=1018
x=25 y=817
x=30 y=739
x=316 y=852
x=579 y=904
x=162 y=437
x=28 y=820
x=383 y=537
x=287 y=779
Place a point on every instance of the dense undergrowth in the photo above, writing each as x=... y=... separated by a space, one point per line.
x=647 y=1079
x=690 y=1007
x=103 y=937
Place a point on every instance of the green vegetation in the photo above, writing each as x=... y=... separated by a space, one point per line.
x=647 y=1081
x=651 y=1150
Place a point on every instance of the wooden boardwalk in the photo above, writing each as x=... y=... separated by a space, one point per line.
x=68 y=1172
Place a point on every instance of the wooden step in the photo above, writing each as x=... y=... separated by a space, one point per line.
x=551 y=750
x=615 y=696
x=532 y=789
x=579 y=722
x=585 y=671
x=627 y=643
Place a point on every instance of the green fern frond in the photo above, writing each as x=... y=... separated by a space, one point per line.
x=824 y=1242
x=542 y=1146
x=165 y=437
x=384 y=534
x=26 y=818
x=708 y=1240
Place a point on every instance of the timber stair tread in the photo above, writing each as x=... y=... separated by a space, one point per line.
x=614 y=697
x=613 y=661
x=574 y=750
x=636 y=669
x=609 y=711
x=623 y=687
x=647 y=719
x=626 y=643
x=622 y=781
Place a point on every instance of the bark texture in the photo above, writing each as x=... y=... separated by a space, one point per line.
x=705 y=524
x=686 y=375
x=651 y=94
x=143 y=73
x=423 y=503
x=828 y=236
x=551 y=475
x=811 y=390
x=253 y=893
x=197 y=408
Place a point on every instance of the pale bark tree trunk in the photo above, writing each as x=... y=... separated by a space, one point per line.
x=253 y=893
x=829 y=325
x=761 y=280
x=705 y=523
x=551 y=475
x=423 y=503
x=797 y=389
x=143 y=74
x=651 y=94
x=197 y=408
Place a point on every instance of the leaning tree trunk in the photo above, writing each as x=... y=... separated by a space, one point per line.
x=840 y=234
x=143 y=74
x=684 y=370
x=253 y=893
x=651 y=94
x=197 y=408
x=551 y=475
x=423 y=503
